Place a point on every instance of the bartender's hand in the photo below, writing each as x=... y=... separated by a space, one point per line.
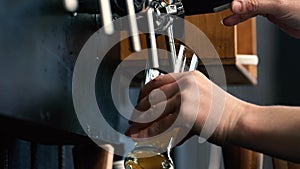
x=191 y=94
x=272 y=130
x=283 y=13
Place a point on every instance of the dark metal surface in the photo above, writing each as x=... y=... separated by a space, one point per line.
x=192 y=7
x=39 y=43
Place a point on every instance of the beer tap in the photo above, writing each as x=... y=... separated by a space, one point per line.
x=164 y=12
x=71 y=5
x=90 y=6
x=136 y=44
x=163 y=23
x=159 y=14
x=106 y=14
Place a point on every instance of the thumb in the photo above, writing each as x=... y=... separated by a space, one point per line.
x=254 y=6
x=245 y=6
x=245 y=9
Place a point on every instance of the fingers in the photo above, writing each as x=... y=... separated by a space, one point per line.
x=236 y=19
x=162 y=103
x=242 y=10
x=245 y=9
x=157 y=82
x=153 y=115
x=158 y=99
x=157 y=95
x=155 y=128
x=157 y=90
x=156 y=111
x=245 y=6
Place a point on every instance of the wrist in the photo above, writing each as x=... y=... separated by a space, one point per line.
x=235 y=111
x=232 y=112
x=241 y=129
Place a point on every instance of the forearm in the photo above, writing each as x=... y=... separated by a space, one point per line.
x=273 y=130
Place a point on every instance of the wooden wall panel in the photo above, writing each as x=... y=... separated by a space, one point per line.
x=223 y=38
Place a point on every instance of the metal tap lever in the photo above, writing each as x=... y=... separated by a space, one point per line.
x=164 y=13
x=171 y=9
x=153 y=56
x=136 y=44
x=106 y=14
x=71 y=5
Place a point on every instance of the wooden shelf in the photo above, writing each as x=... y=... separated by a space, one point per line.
x=240 y=158
x=235 y=45
x=282 y=164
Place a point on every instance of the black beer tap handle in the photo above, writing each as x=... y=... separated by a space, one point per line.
x=192 y=7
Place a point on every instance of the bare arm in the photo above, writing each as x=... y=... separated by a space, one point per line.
x=274 y=130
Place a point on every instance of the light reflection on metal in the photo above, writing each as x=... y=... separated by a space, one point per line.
x=136 y=44
x=106 y=14
x=71 y=5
